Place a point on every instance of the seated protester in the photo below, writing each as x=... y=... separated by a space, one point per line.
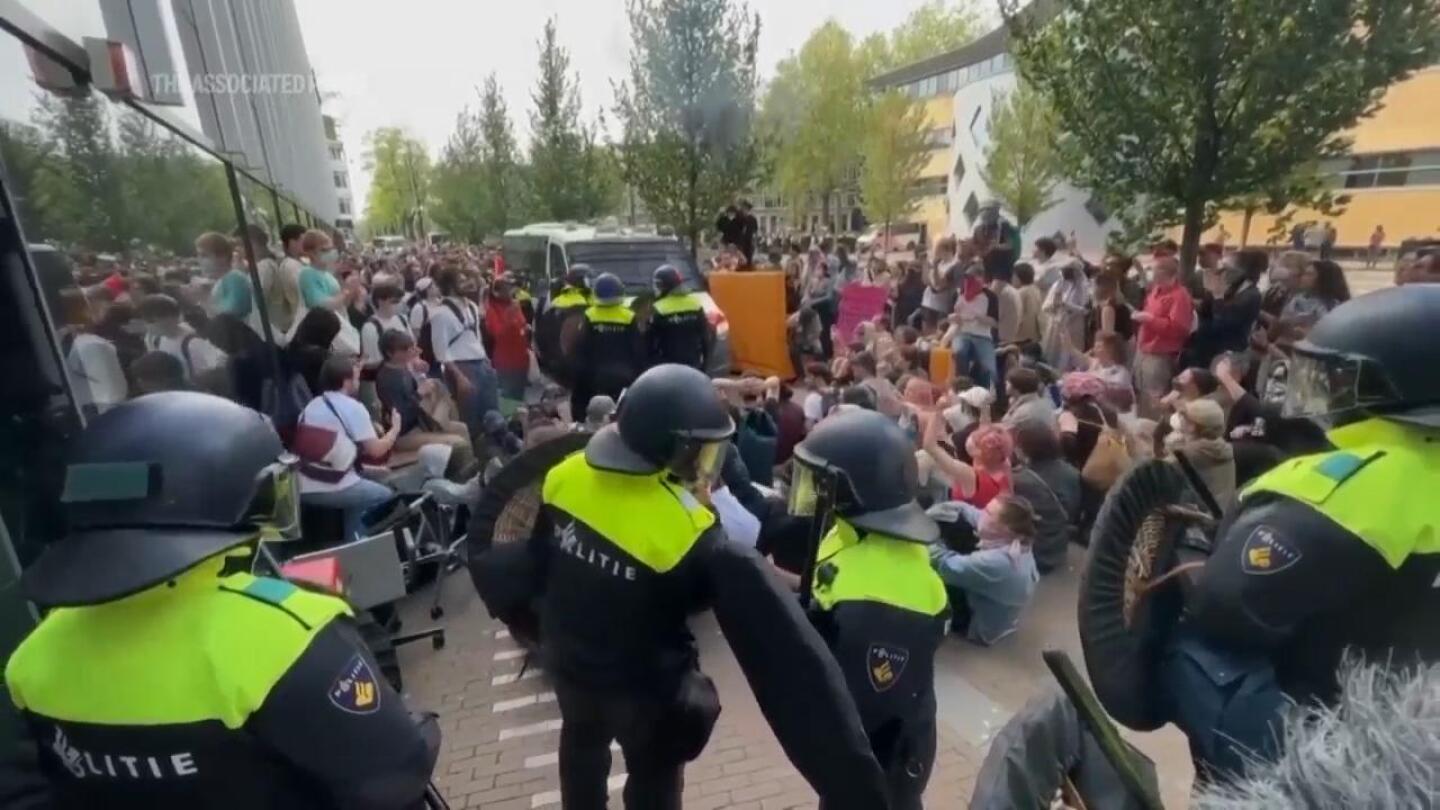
x=330 y=477
x=1322 y=287
x=987 y=477
x=165 y=332
x=821 y=397
x=996 y=581
x=790 y=419
x=856 y=396
x=1085 y=413
x=599 y=412
x=388 y=317
x=1107 y=361
x=803 y=337
x=1028 y=403
x=401 y=392
x=1201 y=437
x=1053 y=487
x=919 y=408
x=970 y=410
x=757 y=437
x=158 y=371
x=865 y=372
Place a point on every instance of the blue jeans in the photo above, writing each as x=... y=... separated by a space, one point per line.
x=355 y=501
x=483 y=396
x=975 y=358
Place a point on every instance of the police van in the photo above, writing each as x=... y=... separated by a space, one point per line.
x=539 y=255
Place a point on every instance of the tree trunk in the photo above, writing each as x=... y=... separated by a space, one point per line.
x=1190 y=241
x=1245 y=228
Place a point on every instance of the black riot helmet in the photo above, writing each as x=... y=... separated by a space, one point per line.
x=868 y=464
x=1374 y=355
x=671 y=418
x=667 y=279
x=578 y=276
x=157 y=484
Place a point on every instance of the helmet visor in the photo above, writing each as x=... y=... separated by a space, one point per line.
x=699 y=462
x=276 y=505
x=1321 y=385
x=804 y=491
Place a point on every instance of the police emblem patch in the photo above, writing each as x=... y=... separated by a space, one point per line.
x=1266 y=551
x=355 y=689
x=885 y=664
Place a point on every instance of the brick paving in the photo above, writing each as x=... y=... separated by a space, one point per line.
x=502 y=730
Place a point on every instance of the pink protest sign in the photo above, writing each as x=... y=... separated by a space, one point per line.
x=858 y=303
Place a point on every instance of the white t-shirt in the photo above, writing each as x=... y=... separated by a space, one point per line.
x=814 y=408
x=195 y=353
x=93 y=366
x=370 y=336
x=456 y=339
x=356 y=428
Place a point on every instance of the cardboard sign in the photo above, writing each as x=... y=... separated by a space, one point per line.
x=858 y=303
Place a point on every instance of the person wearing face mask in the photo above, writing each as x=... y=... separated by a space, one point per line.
x=231 y=294
x=1226 y=321
x=320 y=289
x=679 y=331
x=1201 y=439
x=997 y=579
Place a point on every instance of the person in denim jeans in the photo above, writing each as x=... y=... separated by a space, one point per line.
x=460 y=352
x=977 y=313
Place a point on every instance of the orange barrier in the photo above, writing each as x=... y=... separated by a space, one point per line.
x=942 y=367
x=754 y=304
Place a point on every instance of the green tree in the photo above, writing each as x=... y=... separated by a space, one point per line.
x=687 y=108
x=934 y=28
x=1022 y=165
x=500 y=166
x=458 y=185
x=822 y=100
x=400 y=174
x=23 y=152
x=1174 y=109
x=567 y=173
x=171 y=192
x=895 y=148
x=79 y=189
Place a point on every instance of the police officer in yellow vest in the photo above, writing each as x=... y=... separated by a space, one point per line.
x=679 y=330
x=622 y=554
x=876 y=599
x=164 y=674
x=569 y=302
x=609 y=349
x=1325 y=553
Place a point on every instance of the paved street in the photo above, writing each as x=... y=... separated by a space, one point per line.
x=502 y=728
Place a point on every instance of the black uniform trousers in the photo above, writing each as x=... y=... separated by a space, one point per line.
x=590 y=721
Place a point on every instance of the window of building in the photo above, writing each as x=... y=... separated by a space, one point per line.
x=1389 y=170
x=972 y=208
x=336 y=153
x=975 y=119
x=340 y=181
x=930 y=186
x=959 y=169
x=940 y=137
x=344 y=207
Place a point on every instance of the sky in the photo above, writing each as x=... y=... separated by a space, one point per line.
x=416 y=63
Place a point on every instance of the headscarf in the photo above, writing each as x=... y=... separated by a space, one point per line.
x=316 y=330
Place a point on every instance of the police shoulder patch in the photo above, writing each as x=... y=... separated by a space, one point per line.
x=355 y=689
x=885 y=663
x=1267 y=551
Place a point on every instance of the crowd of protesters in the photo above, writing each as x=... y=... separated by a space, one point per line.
x=1031 y=378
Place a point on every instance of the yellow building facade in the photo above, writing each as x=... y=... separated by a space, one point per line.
x=1392 y=174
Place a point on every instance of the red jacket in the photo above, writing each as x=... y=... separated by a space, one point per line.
x=508 y=334
x=1171 y=314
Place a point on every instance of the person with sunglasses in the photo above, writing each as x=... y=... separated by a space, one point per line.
x=165 y=674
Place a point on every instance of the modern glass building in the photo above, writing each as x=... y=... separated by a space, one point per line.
x=127 y=129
